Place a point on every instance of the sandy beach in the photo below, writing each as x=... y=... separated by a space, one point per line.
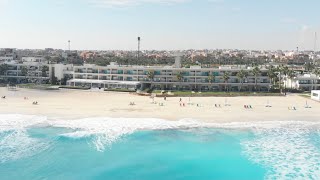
x=73 y=104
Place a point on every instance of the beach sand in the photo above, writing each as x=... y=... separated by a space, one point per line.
x=73 y=104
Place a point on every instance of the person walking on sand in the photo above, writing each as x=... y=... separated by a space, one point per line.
x=165 y=98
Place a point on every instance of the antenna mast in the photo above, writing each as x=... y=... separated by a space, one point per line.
x=69 y=45
x=139 y=39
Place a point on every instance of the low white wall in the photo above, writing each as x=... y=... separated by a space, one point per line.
x=315 y=95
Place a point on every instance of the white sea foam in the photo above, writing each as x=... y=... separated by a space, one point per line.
x=15 y=143
x=286 y=151
x=107 y=130
x=19 y=122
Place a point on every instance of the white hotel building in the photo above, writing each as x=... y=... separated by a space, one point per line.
x=306 y=82
x=165 y=78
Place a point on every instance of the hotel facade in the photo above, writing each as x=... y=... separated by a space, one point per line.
x=116 y=76
x=166 y=78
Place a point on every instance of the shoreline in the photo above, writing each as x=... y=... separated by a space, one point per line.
x=75 y=104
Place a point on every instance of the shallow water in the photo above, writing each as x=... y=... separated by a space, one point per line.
x=33 y=147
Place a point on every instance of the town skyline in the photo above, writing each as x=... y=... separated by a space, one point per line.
x=162 y=24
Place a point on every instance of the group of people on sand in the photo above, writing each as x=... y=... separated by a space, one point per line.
x=25 y=98
x=247 y=106
x=182 y=104
x=292 y=108
x=33 y=103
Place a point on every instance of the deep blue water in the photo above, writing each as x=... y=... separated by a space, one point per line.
x=199 y=153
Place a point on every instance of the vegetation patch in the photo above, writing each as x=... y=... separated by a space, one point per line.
x=213 y=94
x=74 y=87
x=120 y=90
x=38 y=86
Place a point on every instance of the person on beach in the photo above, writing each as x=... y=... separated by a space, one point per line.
x=165 y=98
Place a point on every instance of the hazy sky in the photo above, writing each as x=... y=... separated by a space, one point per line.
x=162 y=24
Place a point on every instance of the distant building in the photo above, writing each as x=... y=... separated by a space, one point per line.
x=306 y=82
x=33 y=59
x=7 y=55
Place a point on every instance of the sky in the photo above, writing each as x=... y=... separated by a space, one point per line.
x=161 y=24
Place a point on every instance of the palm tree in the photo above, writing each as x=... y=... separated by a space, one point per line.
x=316 y=71
x=3 y=69
x=278 y=70
x=48 y=59
x=309 y=67
x=256 y=71
x=285 y=70
x=179 y=76
x=241 y=75
x=211 y=78
x=272 y=75
x=24 y=71
x=150 y=76
x=44 y=71
x=226 y=77
x=291 y=75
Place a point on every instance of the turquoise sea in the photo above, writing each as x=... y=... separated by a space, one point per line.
x=34 y=147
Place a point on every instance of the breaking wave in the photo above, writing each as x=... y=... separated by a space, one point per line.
x=288 y=150
x=15 y=143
